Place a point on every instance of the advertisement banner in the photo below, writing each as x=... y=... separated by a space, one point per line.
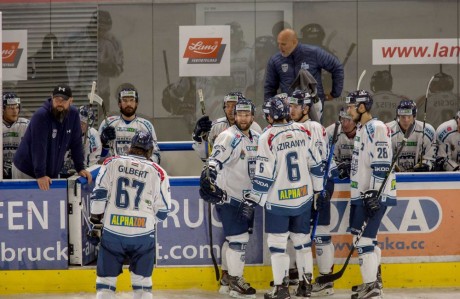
x=33 y=226
x=14 y=55
x=204 y=51
x=183 y=239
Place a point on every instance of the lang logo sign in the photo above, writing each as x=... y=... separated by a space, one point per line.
x=204 y=50
x=11 y=53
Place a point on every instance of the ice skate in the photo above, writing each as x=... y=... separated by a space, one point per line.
x=367 y=291
x=224 y=287
x=239 y=288
x=305 y=286
x=322 y=289
x=293 y=278
x=279 y=291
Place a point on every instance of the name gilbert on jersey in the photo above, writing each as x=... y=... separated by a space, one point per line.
x=133 y=171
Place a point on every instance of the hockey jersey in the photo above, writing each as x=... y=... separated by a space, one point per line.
x=448 y=139
x=125 y=131
x=12 y=135
x=372 y=156
x=133 y=193
x=234 y=157
x=415 y=145
x=288 y=169
x=343 y=150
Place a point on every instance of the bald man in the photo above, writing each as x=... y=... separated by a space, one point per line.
x=283 y=67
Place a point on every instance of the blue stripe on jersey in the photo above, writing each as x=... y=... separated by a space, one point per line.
x=276 y=250
x=99 y=194
x=317 y=171
x=164 y=201
x=261 y=184
x=162 y=214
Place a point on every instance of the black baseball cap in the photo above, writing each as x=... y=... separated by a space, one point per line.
x=62 y=90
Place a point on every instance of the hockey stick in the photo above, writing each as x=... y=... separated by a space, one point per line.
x=334 y=276
x=349 y=52
x=211 y=249
x=424 y=121
x=91 y=99
x=360 y=79
x=165 y=59
x=326 y=175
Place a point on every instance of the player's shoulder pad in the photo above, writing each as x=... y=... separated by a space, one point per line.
x=110 y=159
x=161 y=172
x=446 y=129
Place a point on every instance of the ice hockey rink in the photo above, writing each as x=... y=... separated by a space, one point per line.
x=432 y=293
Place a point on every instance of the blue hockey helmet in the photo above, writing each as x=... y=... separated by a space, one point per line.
x=300 y=97
x=277 y=108
x=360 y=97
x=244 y=104
x=407 y=107
x=233 y=96
x=143 y=140
x=86 y=114
x=10 y=98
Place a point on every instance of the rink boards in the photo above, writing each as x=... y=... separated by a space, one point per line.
x=417 y=237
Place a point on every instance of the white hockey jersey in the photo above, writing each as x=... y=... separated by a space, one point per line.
x=92 y=148
x=372 y=156
x=218 y=127
x=125 y=131
x=288 y=169
x=133 y=193
x=343 y=150
x=448 y=139
x=12 y=136
x=410 y=154
x=441 y=107
x=385 y=105
x=234 y=156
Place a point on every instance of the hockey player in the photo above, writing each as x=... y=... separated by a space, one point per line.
x=417 y=145
x=343 y=149
x=210 y=130
x=14 y=128
x=448 y=139
x=300 y=105
x=385 y=99
x=372 y=156
x=232 y=166
x=121 y=128
x=288 y=177
x=92 y=145
x=132 y=194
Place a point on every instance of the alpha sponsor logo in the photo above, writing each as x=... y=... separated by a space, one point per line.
x=293 y=193
x=205 y=50
x=412 y=215
x=11 y=54
x=129 y=221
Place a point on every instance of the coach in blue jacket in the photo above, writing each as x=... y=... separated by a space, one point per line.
x=283 y=67
x=54 y=128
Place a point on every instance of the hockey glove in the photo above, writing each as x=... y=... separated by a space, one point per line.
x=321 y=199
x=421 y=167
x=344 y=170
x=107 y=135
x=209 y=191
x=202 y=128
x=371 y=202
x=95 y=231
x=246 y=209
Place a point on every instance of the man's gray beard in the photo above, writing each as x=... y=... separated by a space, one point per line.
x=59 y=115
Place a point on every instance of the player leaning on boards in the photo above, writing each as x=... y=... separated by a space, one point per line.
x=419 y=153
x=289 y=175
x=117 y=131
x=372 y=156
x=224 y=183
x=300 y=106
x=132 y=194
x=448 y=138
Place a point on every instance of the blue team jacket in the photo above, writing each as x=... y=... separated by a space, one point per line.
x=42 y=149
x=281 y=71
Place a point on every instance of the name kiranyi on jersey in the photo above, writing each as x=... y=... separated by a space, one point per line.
x=133 y=193
x=288 y=170
x=234 y=157
x=372 y=156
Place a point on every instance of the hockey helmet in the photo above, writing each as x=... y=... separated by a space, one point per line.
x=360 y=97
x=10 y=98
x=407 y=107
x=313 y=34
x=442 y=82
x=128 y=92
x=142 y=140
x=125 y=86
x=300 y=97
x=233 y=96
x=244 y=104
x=86 y=114
x=276 y=108
x=381 y=80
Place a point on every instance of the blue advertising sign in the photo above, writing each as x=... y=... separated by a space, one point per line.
x=183 y=239
x=33 y=226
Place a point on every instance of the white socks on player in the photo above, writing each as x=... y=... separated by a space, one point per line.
x=105 y=294
x=224 y=256
x=368 y=259
x=235 y=254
